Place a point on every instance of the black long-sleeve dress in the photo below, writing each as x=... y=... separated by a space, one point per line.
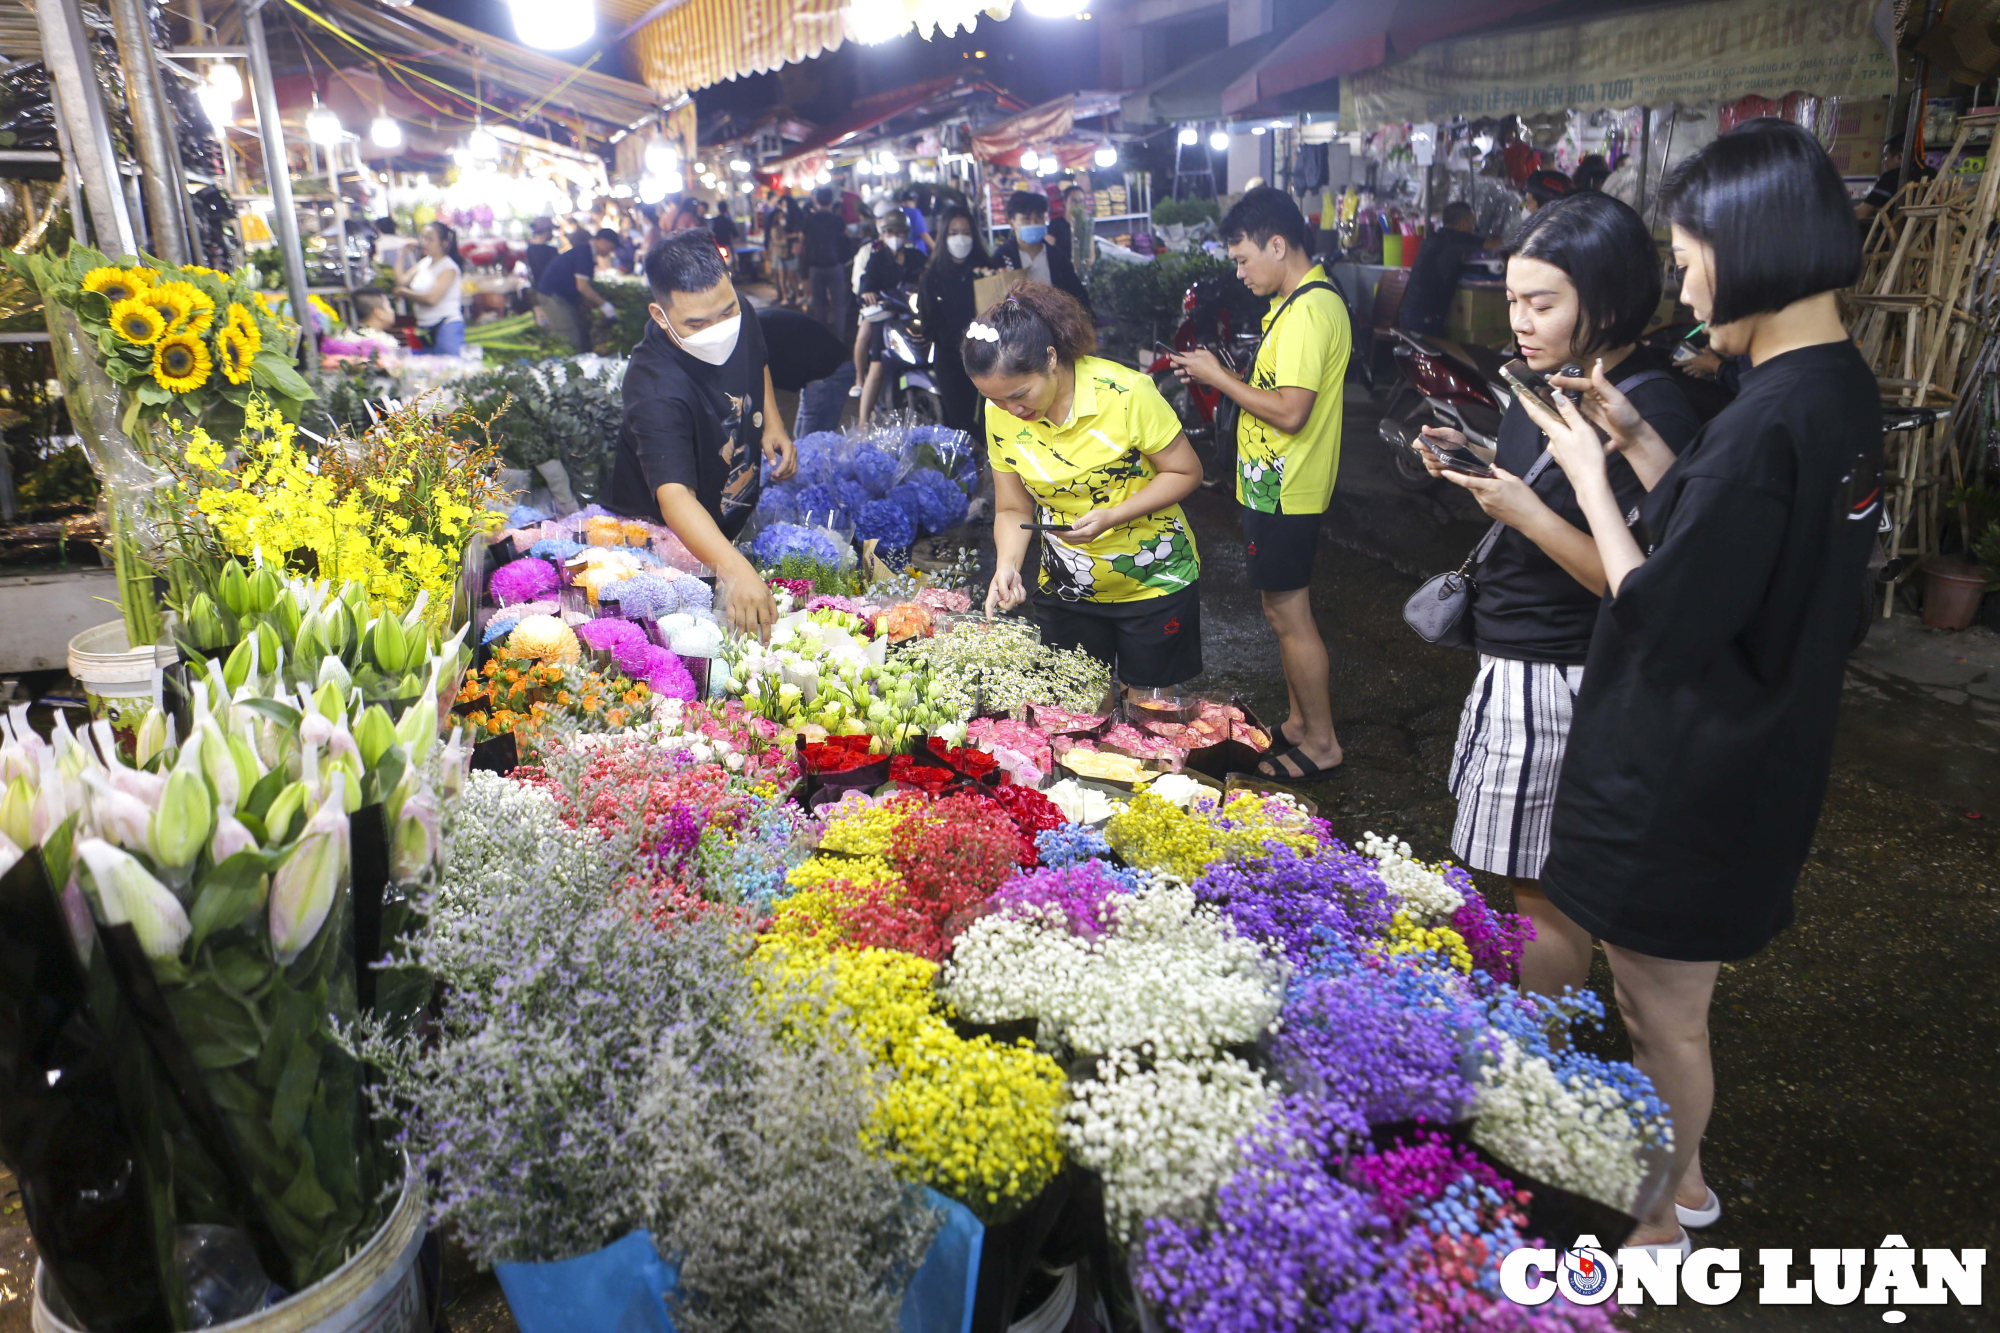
x=1703 y=734
x=946 y=307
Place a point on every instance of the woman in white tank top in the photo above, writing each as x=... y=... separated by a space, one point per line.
x=433 y=288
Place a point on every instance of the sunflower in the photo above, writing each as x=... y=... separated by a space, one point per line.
x=137 y=321
x=235 y=353
x=239 y=318
x=170 y=300
x=196 y=306
x=217 y=274
x=181 y=362
x=118 y=285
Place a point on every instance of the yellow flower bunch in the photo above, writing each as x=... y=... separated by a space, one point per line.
x=181 y=361
x=972 y=1118
x=1155 y=834
x=868 y=830
x=860 y=871
x=117 y=283
x=274 y=502
x=1406 y=936
x=137 y=322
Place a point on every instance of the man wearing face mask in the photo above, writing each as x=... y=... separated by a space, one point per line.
x=700 y=414
x=1027 y=248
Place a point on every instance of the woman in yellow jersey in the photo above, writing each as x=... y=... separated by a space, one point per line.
x=1088 y=451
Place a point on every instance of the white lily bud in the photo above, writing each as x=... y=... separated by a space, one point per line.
x=218 y=765
x=181 y=825
x=128 y=894
x=303 y=890
x=230 y=838
x=118 y=817
x=415 y=845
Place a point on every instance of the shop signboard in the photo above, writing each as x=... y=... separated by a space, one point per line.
x=1710 y=52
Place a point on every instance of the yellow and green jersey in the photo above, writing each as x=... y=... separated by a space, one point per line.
x=1098 y=459
x=1308 y=349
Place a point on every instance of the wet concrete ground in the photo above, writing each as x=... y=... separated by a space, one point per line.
x=1856 y=1057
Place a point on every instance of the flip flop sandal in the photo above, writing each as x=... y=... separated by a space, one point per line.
x=1309 y=771
x=1707 y=1215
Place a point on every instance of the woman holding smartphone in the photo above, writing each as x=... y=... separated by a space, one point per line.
x=1704 y=730
x=1583 y=279
x=1090 y=453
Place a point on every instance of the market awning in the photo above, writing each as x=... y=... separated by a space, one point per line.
x=1194 y=91
x=1040 y=124
x=1355 y=35
x=1715 y=51
x=939 y=96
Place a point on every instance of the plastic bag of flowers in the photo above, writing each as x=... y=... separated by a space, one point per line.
x=229 y=881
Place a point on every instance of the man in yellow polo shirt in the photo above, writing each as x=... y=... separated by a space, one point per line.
x=1287 y=453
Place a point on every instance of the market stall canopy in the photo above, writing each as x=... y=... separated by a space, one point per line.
x=921 y=103
x=1717 y=51
x=1041 y=124
x=1194 y=91
x=550 y=83
x=680 y=45
x=1355 y=35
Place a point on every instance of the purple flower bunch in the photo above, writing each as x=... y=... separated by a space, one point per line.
x=523 y=580
x=820 y=499
x=779 y=540
x=1292 y=1248
x=873 y=468
x=1417 y=1175
x=1299 y=905
x=885 y=523
x=555 y=548
x=656 y=595
x=1495 y=939
x=835 y=602
x=940 y=502
x=1068 y=844
x=1080 y=892
x=608 y=634
x=522 y=516
x=819 y=456
x=1370 y=1050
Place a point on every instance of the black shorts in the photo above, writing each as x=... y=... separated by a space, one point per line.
x=1278 y=549
x=1151 y=644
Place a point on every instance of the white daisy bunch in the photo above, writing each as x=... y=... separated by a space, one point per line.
x=1566 y=1129
x=1169 y=978
x=1421 y=889
x=1164 y=1136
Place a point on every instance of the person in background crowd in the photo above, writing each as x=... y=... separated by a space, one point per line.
x=1885 y=186
x=434 y=288
x=1703 y=734
x=541 y=247
x=1075 y=231
x=1084 y=442
x=863 y=235
x=1440 y=262
x=1027 y=247
x=1543 y=188
x=1582 y=283
x=920 y=229
x=723 y=226
x=1591 y=172
x=893 y=263
x=701 y=417
x=945 y=306
x=806 y=359
x=1288 y=452
x=821 y=233
x=778 y=249
x=391 y=247
x=565 y=285
x=375 y=316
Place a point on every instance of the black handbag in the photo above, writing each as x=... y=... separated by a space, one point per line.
x=1227 y=412
x=1436 y=611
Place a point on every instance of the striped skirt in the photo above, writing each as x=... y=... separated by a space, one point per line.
x=1511 y=739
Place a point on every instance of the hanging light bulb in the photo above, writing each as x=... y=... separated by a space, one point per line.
x=384 y=132
x=825 y=177
x=1218 y=141
x=553 y=25
x=652 y=189
x=738 y=165
x=746 y=187
x=1257 y=129
x=222 y=77
x=482 y=143
x=864 y=168
x=890 y=166
x=675 y=181
x=323 y=125
x=1030 y=160
x=1189 y=137
x=660 y=157
x=220 y=110
x=1106 y=156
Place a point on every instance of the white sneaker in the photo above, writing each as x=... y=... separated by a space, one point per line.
x=854 y=391
x=1705 y=1216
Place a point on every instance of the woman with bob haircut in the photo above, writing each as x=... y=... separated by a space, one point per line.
x=1583 y=279
x=1703 y=734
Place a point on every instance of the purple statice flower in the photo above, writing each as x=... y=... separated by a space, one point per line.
x=1371 y=1048
x=680 y=829
x=644 y=595
x=885 y=523
x=1290 y=1249
x=1299 y=905
x=609 y=634
x=1082 y=893
x=1068 y=844
x=523 y=580
x=873 y=469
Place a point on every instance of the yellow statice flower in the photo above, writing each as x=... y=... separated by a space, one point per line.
x=1406 y=936
x=235 y=354
x=117 y=284
x=868 y=830
x=181 y=362
x=137 y=322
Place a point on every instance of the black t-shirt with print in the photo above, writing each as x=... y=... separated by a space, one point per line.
x=694 y=424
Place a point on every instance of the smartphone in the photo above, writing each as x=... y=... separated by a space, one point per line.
x=1045 y=527
x=1526 y=379
x=1456 y=457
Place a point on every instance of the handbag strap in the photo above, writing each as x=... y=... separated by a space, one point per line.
x=1541 y=465
x=1297 y=292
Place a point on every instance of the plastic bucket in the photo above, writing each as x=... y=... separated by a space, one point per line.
x=1952 y=590
x=122 y=681
x=379 y=1290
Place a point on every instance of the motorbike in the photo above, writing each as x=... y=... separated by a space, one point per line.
x=1222 y=315
x=909 y=384
x=1441 y=383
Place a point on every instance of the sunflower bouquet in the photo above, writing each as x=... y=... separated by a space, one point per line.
x=180 y=343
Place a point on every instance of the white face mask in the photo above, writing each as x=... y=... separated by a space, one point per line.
x=713 y=344
x=892 y=240
x=960 y=246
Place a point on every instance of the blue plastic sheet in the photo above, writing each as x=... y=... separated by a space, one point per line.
x=624 y=1287
x=621 y=1288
